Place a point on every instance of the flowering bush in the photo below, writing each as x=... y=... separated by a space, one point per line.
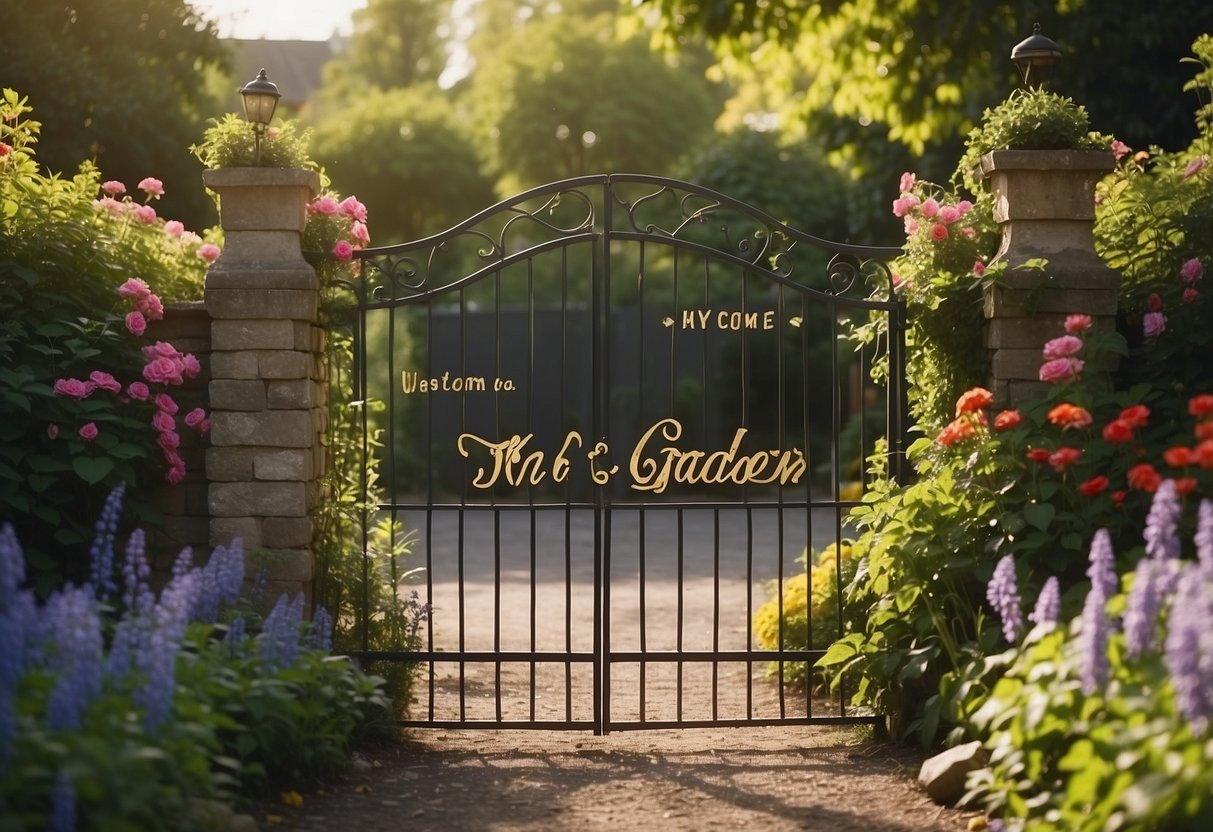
x=805 y=603
x=84 y=392
x=110 y=723
x=1104 y=723
x=230 y=142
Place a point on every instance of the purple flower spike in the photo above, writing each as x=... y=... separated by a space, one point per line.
x=1185 y=659
x=101 y=553
x=1162 y=523
x=1204 y=538
x=1003 y=595
x=1093 y=642
x=1048 y=603
x=1145 y=601
x=1102 y=570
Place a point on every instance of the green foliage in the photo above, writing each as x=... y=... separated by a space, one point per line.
x=407 y=155
x=1029 y=119
x=230 y=143
x=63 y=256
x=118 y=82
x=394 y=43
x=1123 y=758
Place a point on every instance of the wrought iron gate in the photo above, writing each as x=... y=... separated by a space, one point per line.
x=609 y=410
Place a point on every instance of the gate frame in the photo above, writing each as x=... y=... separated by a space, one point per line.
x=400 y=270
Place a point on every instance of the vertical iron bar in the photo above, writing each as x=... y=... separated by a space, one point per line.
x=429 y=512
x=674 y=413
x=463 y=501
x=530 y=402
x=493 y=499
x=568 y=490
x=640 y=361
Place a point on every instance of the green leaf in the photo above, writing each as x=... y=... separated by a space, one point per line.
x=1039 y=515
x=92 y=469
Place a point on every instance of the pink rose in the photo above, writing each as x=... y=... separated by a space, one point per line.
x=104 y=381
x=88 y=432
x=1062 y=347
x=1060 y=369
x=1077 y=323
x=1154 y=302
x=1192 y=271
x=160 y=349
x=174 y=228
x=109 y=204
x=907 y=182
x=138 y=390
x=134 y=288
x=203 y=427
x=163 y=422
x=351 y=207
x=911 y=226
x=1190 y=294
x=1153 y=324
x=169 y=440
x=1120 y=150
x=964 y=207
x=360 y=232
x=930 y=208
x=163 y=371
x=150 y=306
x=5 y=150
x=190 y=367
x=152 y=186
x=939 y=232
x=146 y=214
x=325 y=205
x=52 y=431
x=949 y=214
x=343 y=250
x=979 y=268
x=73 y=387
x=208 y=252
x=175 y=472
x=113 y=187
x=195 y=417
x=165 y=402
x=1194 y=167
x=136 y=324
x=901 y=206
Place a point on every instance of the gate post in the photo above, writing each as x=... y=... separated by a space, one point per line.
x=266 y=396
x=1044 y=202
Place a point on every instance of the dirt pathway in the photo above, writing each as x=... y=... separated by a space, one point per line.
x=769 y=779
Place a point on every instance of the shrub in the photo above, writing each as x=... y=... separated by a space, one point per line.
x=118 y=707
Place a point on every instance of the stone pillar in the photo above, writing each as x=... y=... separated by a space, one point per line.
x=1044 y=201
x=266 y=399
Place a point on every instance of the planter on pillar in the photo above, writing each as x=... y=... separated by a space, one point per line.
x=263 y=299
x=1044 y=202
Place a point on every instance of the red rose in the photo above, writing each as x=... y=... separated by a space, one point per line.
x=1094 y=486
x=1118 y=432
x=1178 y=457
x=1039 y=454
x=1143 y=477
x=1007 y=419
x=1136 y=416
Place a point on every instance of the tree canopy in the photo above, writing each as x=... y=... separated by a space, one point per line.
x=119 y=82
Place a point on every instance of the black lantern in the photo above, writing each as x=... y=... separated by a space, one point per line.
x=1035 y=58
x=260 y=99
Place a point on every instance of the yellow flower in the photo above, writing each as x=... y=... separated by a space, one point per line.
x=291 y=799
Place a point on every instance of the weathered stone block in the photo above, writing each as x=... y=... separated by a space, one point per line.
x=237 y=394
x=284 y=364
x=253 y=499
x=242 y=365
x=291 y=394
x=293 y=465
x=253 y=334
x=289 y=304
x=1011 y=365
x=269 y=277
x=262 y=198
x=224 y=530
x=287 y=564
x=234 y=464
x=269 y=428
x=287 y=532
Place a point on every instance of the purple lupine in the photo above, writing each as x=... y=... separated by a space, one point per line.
x=222 y=579
x=280 y=633
x=322 y=629
x=1093 y=641
x=63 y=805
x=1102 y=570
x=158 y=660
x=1182 y=652
x=235 y=634
x=184 y=562
x=1162 y=523
x=16 y=623
x=1003 y=595
x=1204 y=538
x=12 y=566
x=1048 y=603
x=101 y=553
x=1143 y=606
x=74 y=653
x=137 y=595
